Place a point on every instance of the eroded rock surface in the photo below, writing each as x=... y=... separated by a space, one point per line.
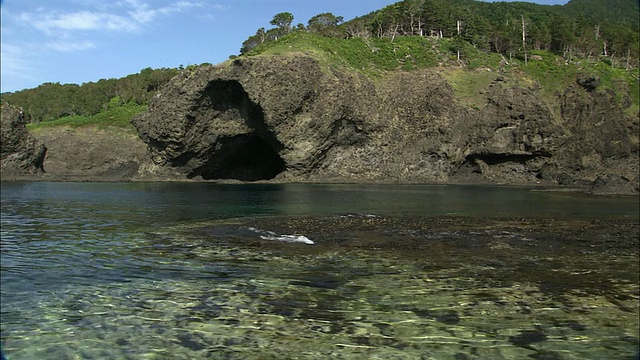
x=292 y=119
x=90 y=153
x=254 y=119
x=20 y=153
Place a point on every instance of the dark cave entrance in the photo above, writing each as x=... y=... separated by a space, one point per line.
x=243 y=157
x=247 y=157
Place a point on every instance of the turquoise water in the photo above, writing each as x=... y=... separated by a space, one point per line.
x=180 y=271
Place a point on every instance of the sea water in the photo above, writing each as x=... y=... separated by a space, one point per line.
x=266 y=271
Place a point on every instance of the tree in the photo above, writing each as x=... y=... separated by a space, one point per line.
x=357 y=28
x=412 y=10
x=261 y=35
x=51 y=101
x=259 y=38
x=562 y=36
x=283 y=21
x=324 y=24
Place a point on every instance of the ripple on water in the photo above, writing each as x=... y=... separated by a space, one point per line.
x=371 y=287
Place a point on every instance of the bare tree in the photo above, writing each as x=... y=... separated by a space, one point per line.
x=524 y=39
x=412 y=10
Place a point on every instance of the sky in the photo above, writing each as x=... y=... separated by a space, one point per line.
x=79 y=41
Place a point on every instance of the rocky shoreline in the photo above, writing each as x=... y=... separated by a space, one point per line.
x=290 y=119
x=606 y=189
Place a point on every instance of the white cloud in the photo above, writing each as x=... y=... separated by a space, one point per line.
x=57 y=24
x=127 y=16
x=34 y=30
x=69 y=46
x=10 y=58
x=142 y=13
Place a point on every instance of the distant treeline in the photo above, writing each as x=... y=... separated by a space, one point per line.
x=581 y=28
x=51 y=101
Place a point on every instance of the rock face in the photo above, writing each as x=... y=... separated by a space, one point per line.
x=74 y=154
x=92 y=154
x=289 y=118
x=256 y=119
x=20 y=153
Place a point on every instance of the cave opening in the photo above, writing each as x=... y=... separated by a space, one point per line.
x=247 y=157
x=243 y=157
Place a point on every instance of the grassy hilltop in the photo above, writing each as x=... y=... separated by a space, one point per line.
x=474 y=69
x=466 y=41
x=377 y=58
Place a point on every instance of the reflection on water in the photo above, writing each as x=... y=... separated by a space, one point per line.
x=173 y=271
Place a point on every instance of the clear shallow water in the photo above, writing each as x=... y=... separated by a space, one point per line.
x=174 y=271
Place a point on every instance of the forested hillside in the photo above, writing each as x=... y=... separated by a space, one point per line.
x=406 y=35
x=51 y=101
x=581 y=28
x=549 y=45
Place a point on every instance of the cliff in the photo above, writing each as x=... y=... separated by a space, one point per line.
x=88 y=153
x=20 y=153
x=292 y=118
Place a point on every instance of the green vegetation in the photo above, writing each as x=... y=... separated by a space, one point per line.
x=560 y=42
x=469 y=41
x=468 y=84
x=583 y=28
x=116 y=114
x=51 y=101
x=376 y=56
x=371 y=57
x=554 y=75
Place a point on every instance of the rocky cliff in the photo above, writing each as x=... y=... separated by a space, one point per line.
x=20 y=153
x=88 y=153
x=91 y=153
x=290 y=118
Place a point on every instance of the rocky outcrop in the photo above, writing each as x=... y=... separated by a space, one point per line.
x=613 y=185
x=20 y=153
x=290 y=118
x=90 y=153
x=253 y=119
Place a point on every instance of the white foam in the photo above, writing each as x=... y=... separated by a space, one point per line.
x=289 y=238
x=270 y=235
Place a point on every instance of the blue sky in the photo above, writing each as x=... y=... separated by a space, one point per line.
x=77 y=41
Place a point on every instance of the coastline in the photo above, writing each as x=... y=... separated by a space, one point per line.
x=547 y=187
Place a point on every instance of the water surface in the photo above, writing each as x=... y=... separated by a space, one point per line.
x=180 y=271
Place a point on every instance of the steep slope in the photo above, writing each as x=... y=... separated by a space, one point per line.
x=91 y=153
x=293 y=118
